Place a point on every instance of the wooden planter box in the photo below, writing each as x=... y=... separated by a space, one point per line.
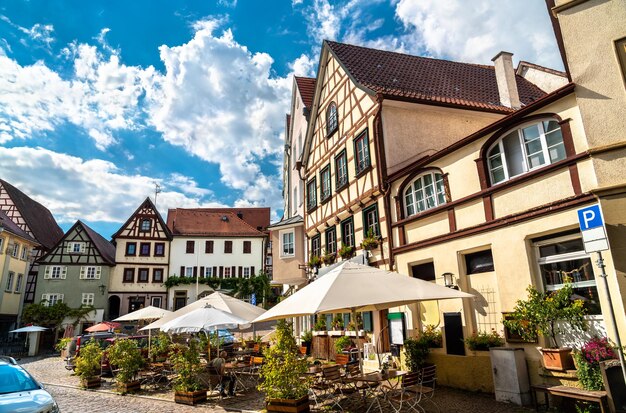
x=190 y=397
x=559 y=359
x=288 y=405
x=130 y=387
x=91 y=382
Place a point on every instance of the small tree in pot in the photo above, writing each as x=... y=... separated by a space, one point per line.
x=88 y=364
x=282 y=374
x=540 y=314
x=187 y=386
x=125 y=355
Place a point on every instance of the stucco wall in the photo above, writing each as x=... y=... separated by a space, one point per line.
x=287 y=267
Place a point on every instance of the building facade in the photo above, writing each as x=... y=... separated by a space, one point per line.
x=142 y=249
x=16 y=251
x=214 y=243
x=76 y=271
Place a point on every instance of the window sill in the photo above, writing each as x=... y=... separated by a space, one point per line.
x=363 y=172
x=341 y=187
x=325 y=200
x=310 y=209
x=130 y=255
x=329 y=134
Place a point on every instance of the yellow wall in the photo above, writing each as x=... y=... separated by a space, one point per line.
x=287 y=268
x=10 y=302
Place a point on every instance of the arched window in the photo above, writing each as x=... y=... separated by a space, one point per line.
x=526 y=148
x=425 y=192
x=331 y=118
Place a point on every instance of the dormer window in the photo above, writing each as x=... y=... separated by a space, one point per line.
x=331 y=119
x=425 y=192
x=145 y=225
x=524 y=149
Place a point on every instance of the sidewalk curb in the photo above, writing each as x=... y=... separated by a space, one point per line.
x=139 y=396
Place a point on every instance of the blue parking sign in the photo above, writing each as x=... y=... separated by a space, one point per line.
x=590 y=217
x=253 y=299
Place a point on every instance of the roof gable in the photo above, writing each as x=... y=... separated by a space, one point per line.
x=217 y=222
x=427 y=80
x=38 y=218
x=306 y=87
x=8 y=225
x=130 y=228
x=103 y=248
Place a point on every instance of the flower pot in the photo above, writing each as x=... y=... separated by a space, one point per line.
x=91 y=382
x=130 y=387
x=335 y=333
x=320 y=333
x=190 y=397
x=288 y=405
x=351 y=333
x=557 y=358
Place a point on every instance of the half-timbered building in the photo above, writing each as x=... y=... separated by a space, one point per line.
x=219 y=243
x=16 y=248
x=76 y=271
x=142 y=249
x=36 y=221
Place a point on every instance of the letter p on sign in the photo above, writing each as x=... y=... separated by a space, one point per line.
x=590 y=217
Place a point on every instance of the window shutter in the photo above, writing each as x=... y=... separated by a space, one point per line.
x=233 y=271
x=201 y=271
x=195 y=272
x=252 y=271
x=182 y=270
x=240 y=271
x=214 y=273
x=63 y=272
x=82 y=247
x=83 y=274
x=221 y=272
x=98 y=272
x=60 y=297
x=46 y=274
x=44 y=297
x=68 y=247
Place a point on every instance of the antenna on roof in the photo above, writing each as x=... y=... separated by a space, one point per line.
x=157 y=191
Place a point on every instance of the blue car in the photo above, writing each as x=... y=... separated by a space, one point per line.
x=20 y=392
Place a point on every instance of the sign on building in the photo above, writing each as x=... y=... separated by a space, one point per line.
x=592 y=229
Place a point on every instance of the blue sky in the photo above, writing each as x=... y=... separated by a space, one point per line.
x=101 y=99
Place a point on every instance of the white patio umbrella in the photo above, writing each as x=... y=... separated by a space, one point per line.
x=207 y=318
x=353 y=288
x=147 y=313
x=218 y=300
x=29 y=329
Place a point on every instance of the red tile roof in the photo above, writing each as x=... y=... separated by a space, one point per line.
x=306 y=86
x=219 y=222
x=428 y=80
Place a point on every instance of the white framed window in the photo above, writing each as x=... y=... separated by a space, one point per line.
x=156 y=302
x=208 y=272
x=87 y=299
x=55 y=272
x=52 y=298
x=562 y=259
x=75 y=247
x=24 y=252
x=189 y=272
x=9 y=285
x=425 y=192
x=227 y=272
x=90 y=272
x=288 y=245
x=146 y=224
x=18 y=283
x=246 y=272
x=524 y=149
x=16 y=249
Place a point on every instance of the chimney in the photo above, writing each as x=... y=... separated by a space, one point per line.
x=505 y=76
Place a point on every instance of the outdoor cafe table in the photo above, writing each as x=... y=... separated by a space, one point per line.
x=236 y=369
x=378 y=385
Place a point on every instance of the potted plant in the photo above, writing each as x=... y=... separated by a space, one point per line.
x=320 y=326
x=416 y=352
x=88 y=365
x=307 y=339
x=337 y=326
x=61 y=346
x=370 y=242
x=483 y=341
x=588 y=360
x=282 y=374
x=342 y=343
x=346 y=252
x=539 y=315
x=160 y=347
x=186 y=361
x=432 y=336
x=125 y=355
x=314 y=262
x=329 y=258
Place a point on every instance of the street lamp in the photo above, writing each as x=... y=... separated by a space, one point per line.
x=448 y=280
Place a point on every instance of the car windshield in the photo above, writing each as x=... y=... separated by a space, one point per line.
x=14 y=379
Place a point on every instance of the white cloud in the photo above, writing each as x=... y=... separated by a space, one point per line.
x=39 y=33
x=476 y=32
x=93 y=190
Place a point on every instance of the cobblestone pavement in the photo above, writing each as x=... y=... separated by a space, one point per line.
x=64 y=387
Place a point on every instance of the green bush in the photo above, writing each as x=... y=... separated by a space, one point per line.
x=483 y=341
x=589 y=374
x=341 y=343
x=62 y=344
x=160 y=345
x=283 y=371
x=432 y=336
x=307 y=336
x=338 y=322
x=126 y=356
x=186 y=361
x=416 y=352
x=320 y=324
x=88 y=363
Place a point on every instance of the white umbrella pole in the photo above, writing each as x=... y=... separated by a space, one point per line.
x=357 y=338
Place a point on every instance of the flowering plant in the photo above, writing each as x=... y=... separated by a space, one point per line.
x=598 y=349
x=588 y=362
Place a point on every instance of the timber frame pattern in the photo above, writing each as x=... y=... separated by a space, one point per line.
x=132 y=227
